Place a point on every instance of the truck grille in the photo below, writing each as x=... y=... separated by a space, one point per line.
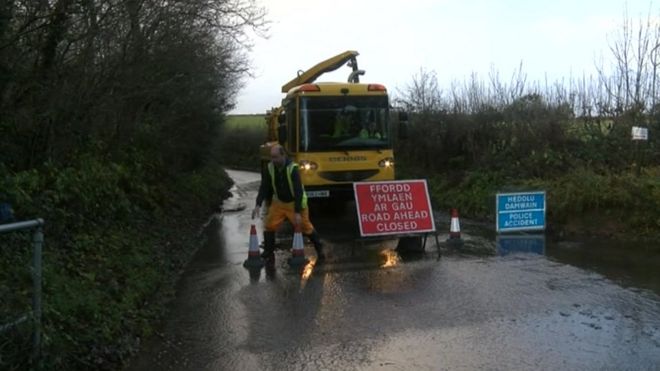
x=348 y=176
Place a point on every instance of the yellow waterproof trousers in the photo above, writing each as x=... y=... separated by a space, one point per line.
x=278 y=211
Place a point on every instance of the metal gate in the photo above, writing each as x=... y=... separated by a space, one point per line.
x=35 y=315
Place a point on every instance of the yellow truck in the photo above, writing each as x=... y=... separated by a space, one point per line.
x=338 y=132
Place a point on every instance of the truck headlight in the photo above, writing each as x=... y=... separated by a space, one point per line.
x=308 y=165
x=386 y=162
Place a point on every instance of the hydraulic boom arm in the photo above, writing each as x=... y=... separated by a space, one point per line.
x=327 y=65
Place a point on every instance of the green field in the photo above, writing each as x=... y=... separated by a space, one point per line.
x=239 y=142
x=246 y=121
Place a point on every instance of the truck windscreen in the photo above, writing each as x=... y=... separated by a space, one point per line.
x=344 y=123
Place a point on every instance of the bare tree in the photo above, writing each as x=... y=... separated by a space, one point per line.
x=103 y=71
x=630 y=80
x=422 y=95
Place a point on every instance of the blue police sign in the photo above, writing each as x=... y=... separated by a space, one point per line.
x=520 y=211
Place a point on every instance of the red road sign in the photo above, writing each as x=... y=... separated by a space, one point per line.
x=396 y=207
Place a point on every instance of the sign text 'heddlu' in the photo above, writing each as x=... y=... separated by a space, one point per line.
x=396 y=207
x=522 y=211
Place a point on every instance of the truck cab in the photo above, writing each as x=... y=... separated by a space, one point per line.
x=338 y=132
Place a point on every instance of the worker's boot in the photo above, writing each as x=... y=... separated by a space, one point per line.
x=269 y=245
x=318 y=246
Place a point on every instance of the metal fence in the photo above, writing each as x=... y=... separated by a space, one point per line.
x=35 y=315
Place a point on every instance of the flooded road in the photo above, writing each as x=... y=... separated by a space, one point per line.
x=370 y=308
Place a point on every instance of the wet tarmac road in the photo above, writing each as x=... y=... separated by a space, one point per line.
x=368 y=308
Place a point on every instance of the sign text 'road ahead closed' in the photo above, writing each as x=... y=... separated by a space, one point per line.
x=396 y=207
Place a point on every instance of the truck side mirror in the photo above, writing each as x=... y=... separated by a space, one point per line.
x=403 y=125
x=281 y=133
x=281 y=128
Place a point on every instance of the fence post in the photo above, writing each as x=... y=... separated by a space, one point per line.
x=37 y=239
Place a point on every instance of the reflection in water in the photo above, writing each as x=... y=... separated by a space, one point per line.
x=391 y=258
x=270 y=269
x=630 y=263
x=527 y=243
x=307 y=271
x=255 y=274
x=308 y=268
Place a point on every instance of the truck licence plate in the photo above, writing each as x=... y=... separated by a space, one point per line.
x=318 y=194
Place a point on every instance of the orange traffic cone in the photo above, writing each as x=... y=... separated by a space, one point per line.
x=455 y=229
x=297 y=250
x=253 y=260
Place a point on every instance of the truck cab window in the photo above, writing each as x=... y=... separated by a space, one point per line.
x=344 y=123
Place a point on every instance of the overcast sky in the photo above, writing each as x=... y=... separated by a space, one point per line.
x=454 y=38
